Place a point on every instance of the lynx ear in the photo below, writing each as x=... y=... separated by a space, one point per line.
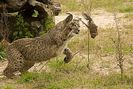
x=69 y=18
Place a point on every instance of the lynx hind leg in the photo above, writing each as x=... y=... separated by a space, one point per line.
x=9 y=72
x=27 y=66
x=15 y=62
x=68 y=54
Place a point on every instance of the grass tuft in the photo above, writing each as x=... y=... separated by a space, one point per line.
x=8 y=87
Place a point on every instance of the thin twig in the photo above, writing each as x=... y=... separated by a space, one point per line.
x=89 y=11
x=119 y=53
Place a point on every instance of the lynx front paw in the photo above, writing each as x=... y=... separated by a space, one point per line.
x=67 y=51
x=66 y=59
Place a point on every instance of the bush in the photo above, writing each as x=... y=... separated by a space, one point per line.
x=48 y=24
x=21 y=29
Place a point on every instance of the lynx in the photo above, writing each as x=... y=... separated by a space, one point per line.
x=24 y=53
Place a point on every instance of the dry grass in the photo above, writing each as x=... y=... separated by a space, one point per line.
x=109 y=5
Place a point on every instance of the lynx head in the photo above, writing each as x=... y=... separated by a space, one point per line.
x=68 y=27
x=63 y=24
x=72 y=26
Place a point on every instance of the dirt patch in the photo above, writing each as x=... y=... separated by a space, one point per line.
x=102 y=18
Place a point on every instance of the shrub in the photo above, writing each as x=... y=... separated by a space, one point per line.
x=21 y=29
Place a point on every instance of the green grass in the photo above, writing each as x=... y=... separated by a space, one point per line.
x=130 y=16
x=59 y=65
x=109 y=48
x=125 y=8
x=104 y=41
x=73 y=75
x=61 y=76
x=81 y=43
x=28 y=77
x=109 y=5
x=47 y=81
x=64 y=76
x=61 y=80
x=113 y=82
x=70 y=5
x=113 y=5
x=8 y=87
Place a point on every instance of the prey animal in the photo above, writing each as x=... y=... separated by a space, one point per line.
x=92 y=27
x=24 y=53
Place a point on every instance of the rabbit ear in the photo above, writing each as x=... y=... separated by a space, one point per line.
x=69 y=18
x=87 y=17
